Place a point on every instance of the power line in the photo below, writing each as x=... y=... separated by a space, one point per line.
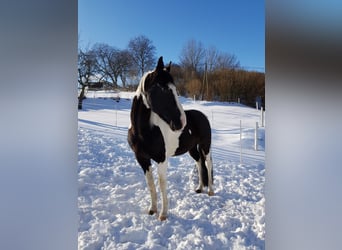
x=253 y=68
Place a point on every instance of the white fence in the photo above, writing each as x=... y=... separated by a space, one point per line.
x=242 y=123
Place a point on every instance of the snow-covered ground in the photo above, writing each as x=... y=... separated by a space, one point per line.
x=113 y=197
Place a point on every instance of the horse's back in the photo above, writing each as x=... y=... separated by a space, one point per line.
x=198 y=123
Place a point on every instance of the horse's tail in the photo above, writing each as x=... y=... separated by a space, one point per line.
x=204 y=170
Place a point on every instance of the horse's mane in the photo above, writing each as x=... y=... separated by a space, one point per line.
x=140 y=115
x=141 y=89
x=141 y=109
x=161 y=75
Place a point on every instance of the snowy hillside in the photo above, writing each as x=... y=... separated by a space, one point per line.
x=113 y=197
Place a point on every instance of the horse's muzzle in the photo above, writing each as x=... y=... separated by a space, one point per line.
x=176 y=126
x=179 y=125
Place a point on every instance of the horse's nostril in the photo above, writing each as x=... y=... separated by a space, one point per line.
x=175 y=125
x=172 y=126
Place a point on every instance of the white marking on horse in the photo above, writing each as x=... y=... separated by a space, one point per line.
x=183 y=116
x=162 y=169
x=209 y=165
x=141 y=89
x=153 y=192
x=170 y=137
x=200 y=183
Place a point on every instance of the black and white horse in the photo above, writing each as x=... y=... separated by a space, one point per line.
x=160 y=128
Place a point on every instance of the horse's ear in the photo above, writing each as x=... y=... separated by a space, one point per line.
x=168 y=68
x=160 y=65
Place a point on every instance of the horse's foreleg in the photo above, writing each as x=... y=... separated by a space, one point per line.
x=152 y=188
x=162 y=169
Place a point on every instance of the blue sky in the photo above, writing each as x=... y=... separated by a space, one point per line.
x=235 y=27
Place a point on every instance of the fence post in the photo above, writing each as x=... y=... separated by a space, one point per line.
x=212 y=118
x=256 y=137
x=240 y=142
x=257 y=105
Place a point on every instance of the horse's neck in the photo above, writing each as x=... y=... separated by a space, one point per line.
x=140 y=115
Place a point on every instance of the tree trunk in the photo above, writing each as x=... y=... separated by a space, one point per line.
x=123 y=80
x=81 y=97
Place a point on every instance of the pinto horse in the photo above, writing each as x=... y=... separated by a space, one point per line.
x=160 y=128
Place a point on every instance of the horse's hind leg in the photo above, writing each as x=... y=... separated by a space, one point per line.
x=146 y=166
x=205 y=169
x=196 y=156
x=209 y=165
x=199 y=188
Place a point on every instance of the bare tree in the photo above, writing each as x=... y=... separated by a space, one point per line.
x=126 y=64
x=143 y=53
x=86 y=70
x=227 y=61
x=211 y=55
x=192 y=55
x=107 y=63
x=112 y=64
x=217 y=60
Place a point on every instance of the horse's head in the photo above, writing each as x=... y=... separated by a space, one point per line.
x=160 y=95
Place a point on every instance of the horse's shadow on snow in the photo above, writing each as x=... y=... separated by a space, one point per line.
x=115 y=129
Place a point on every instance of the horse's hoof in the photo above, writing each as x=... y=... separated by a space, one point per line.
x=211 y=193
x=151 y=212
x=198 y=191
x=162 y=217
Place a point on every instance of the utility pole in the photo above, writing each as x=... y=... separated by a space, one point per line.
x=206 y=80
x=205 y=87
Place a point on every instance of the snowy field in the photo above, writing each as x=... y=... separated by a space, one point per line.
x=113 y=198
